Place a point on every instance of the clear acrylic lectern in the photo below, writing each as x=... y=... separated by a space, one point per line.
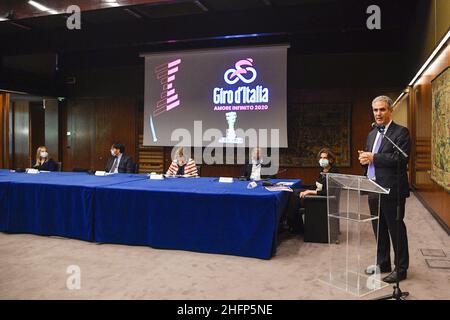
x=353 y=211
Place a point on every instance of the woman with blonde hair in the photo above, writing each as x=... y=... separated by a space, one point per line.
x=43 y=162
x=181 y=166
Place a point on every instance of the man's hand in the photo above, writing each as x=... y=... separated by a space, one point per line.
x=365 y=157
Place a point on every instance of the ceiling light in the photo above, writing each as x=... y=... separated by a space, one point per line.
x=430 y=58
x=201 y=6
x=41 y=7
x=426 y=65
x=111 y=3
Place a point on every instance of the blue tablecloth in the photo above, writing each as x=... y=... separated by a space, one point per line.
x=3 y=203
x=198 y=214
x=55 y=203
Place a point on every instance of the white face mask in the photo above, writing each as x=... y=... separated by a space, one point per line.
x=180 y=160
x=113 y=153
x=44 y=154
x=324 y=163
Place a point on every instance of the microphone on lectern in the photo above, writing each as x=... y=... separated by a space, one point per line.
x=374 y=125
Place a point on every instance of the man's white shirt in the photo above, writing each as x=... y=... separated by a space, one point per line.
x=379 y=135
x=256 y=171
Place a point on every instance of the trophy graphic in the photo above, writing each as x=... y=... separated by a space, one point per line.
x=231 y=133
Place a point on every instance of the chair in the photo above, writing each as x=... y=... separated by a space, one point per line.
x=136 y=168
x=316 y=219
x=199 y=169
x=80 y=170
x=58 y=166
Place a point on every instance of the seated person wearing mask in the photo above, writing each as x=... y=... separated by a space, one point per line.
x=255 y=169
x=119 y=162
x=326 y=160
x=43 y=162
x=180 y=166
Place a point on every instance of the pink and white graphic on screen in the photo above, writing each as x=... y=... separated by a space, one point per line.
x=169 y=98
x=231 y=76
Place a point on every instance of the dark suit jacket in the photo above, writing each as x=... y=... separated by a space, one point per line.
x=247 y=171
x=126 y=164
x=385 y=160
x=322 y=179
x=49 y=165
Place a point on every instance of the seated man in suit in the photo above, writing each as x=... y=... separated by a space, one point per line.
x=255 y=169
x=181 y=166
x=119 y=162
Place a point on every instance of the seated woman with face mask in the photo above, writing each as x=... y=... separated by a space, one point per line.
x=326 y=160
x=180 y=166
x=43 y=162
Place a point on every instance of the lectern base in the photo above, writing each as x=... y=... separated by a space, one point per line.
x=355 y=283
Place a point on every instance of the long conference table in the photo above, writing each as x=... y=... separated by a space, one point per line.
x=195 y=214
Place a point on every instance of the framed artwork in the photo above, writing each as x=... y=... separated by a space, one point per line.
x=312 y=127
x=440 y=129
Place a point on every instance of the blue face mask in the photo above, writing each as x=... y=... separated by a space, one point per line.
x=324 y=163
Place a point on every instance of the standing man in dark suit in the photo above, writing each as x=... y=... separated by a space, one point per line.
x=380 y=161
x=119 y=162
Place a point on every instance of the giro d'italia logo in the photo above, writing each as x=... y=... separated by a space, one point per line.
x=243 y=71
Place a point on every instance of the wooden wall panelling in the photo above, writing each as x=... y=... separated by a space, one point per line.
x=21 y=135
x=4 y=130
x=115 y=122
x=151 y=159
x=433 y=196
x=52 y=128
x=37 y=128
x=79 y=146
x=96 y=123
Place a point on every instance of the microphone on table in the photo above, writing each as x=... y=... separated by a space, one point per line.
x=252 y=185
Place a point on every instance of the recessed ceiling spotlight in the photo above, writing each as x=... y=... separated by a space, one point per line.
x=111 y=3
x=41 y=7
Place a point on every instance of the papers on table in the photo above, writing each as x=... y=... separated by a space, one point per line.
x=285 y=183
x=279 y=188
x=156 y=177
x=180 y=176
x=103 y=173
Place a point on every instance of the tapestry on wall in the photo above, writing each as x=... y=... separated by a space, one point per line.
x=440 y=129
x=315 y=126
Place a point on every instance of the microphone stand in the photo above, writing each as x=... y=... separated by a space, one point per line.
x=397 y=294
